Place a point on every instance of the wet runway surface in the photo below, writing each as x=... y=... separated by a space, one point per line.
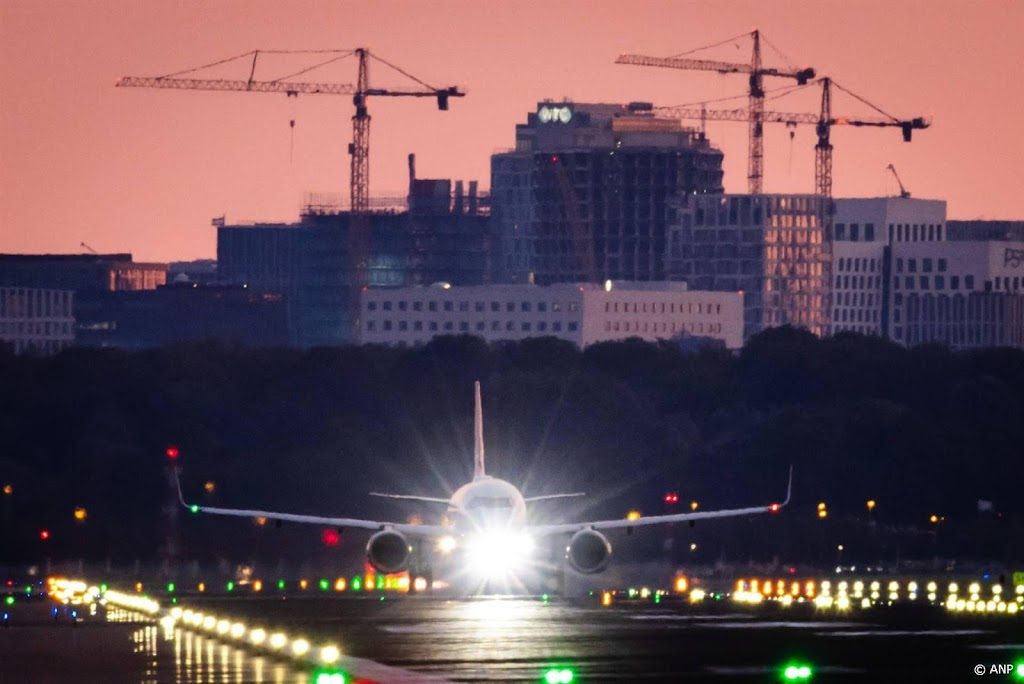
x=420 y=639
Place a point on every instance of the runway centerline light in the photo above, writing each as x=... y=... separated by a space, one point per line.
x=558 y=675
x=796 y=673
x=329 y=678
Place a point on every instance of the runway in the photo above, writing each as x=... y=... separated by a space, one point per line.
x=401 y=638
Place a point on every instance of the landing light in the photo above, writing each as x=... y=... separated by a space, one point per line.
x=494 y=553
x=446 y=544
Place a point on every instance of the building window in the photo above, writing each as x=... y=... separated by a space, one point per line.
x=926 y=265
x=402 y=305
x=449 y=306
x=924 y=282
x=526 y=326
x=432 y=306
x=417 y=306
x=371 y=325
x=909 y=283
x=954 y=282
x=572 y=326
x=478 y=306
x=969 y=282
x=417 y=325
x=448 y=325
x=869 y=232
x=542 y=326
x=509 y=326
x=495 y=326
x=912 y=265
x=371 y=306
x=510 y=307
x=387 y=325
x=387 y=306
x=940 y=282
x=854 y=232
x=403 y=325
x=840 y=231
x=463 y=326
x=464 y=306
x=542 y=306
x=526 y=306
x=942 y=265
x=495 y=306
x=556 y=326
x=556 y=306
x=573 y=306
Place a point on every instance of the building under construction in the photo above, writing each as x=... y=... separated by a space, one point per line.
x=438 y=233
x=583 y=196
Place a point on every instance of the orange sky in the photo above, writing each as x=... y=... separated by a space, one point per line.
x=145 y=170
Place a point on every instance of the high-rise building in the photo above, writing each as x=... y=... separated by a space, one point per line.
x=772 y=248
x=584 y=194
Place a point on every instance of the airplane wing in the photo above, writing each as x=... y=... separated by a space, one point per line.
x=404 y=528
x=545 y=497
x=542 y=530
x=412 y=497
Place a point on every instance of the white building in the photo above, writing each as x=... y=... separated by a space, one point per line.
x=580 y=313
x=964 y=294
x=865 y=233
x=33 y=318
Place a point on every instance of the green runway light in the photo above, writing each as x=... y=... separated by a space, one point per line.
x=194 y=508
x=357 y=583
x=544 y=598
x=103 y=588
x=326 y=677
x=794 y=673
x=231 y=586
x=324 y=585
x=558 y=675
x=280 y=584
x=9 y=600
x=170 y=587
x=1020 y=671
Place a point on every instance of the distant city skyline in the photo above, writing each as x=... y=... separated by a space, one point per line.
x=144 y=171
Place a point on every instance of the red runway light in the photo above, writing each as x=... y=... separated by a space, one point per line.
x=172 y=452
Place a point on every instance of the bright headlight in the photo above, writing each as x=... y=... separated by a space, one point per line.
x=498 y=552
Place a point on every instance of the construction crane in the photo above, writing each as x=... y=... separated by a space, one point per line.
x=823 y=122
x=358 y=237
x=903 y=191
x=359 y=148
x=755 y=113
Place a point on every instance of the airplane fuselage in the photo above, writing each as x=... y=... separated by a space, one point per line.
x=487 y=504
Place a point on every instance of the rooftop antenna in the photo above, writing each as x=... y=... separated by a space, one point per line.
x=90 y=248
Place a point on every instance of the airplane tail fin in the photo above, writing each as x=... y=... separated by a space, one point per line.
x=478 y=437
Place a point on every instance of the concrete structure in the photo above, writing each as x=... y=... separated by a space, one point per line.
x=580 y=313
x=80 y=272
x=770 y=248
x=36 y=319
x=583 y=196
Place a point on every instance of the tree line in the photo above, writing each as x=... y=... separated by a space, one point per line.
x=920 y=431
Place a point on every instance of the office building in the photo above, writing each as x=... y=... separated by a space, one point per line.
x=770 y=248
x=37 y=320
x=582 y=313
x=584 y=194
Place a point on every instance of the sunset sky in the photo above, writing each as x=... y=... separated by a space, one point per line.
x=144 y=171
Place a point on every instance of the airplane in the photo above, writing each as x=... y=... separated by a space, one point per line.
x=485 y=519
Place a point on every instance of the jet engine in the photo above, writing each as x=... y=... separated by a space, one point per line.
x=388 y=551
x=588 y=552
